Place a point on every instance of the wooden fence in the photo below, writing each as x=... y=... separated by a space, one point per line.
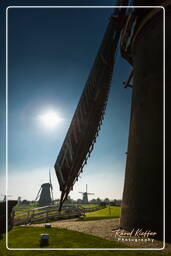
x=51 y=212
x=91 y=209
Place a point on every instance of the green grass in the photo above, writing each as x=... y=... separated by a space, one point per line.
x=29 y=237
x=88 y=205
x=23 y=209
x=108 y=212
x=22 y=212
x=58 y=238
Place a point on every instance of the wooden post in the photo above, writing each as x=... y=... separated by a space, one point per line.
x=109 y=209
x=32 y=216
x=12 y=216
x=47 y=215
x=28 y=215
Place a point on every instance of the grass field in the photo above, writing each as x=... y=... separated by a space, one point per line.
x=21 y=209
x=108 y=212
x=88 y=205
x=24 y=207
x=21 y=237
x=58 y=238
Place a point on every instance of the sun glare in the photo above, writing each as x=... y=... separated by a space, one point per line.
x=50 y=119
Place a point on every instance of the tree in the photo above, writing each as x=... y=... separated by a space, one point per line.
x=107 y=201
x=79 y=201
x=98 y=201
x=93 y=201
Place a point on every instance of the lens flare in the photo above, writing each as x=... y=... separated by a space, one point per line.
x=50 y=119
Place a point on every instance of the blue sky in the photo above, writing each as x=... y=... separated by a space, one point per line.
x=51 y=52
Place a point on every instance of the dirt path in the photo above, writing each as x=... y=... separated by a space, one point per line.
x=103 y=229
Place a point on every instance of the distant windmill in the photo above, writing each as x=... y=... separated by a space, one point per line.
x=5 y=196
x=85 y=195
x=19 y=200
x=45 y=194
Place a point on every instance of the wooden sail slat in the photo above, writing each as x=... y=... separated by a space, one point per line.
x=90 y=109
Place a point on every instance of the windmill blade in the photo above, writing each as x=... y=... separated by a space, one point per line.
x=50 y=181
x=38 y=194
x=81 y=192
x=87 y=119
x=52 y=194
x=90 y=194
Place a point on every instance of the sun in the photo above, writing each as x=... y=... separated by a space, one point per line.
x=50 y=119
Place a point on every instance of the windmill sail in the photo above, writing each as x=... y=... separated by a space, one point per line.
x=87 y=119
x=50 y=182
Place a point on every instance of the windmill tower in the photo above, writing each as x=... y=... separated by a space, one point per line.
x=85 y=195
x=45 y=194
x=19 y=200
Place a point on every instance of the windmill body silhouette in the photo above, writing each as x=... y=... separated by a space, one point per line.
x=45 y=194
x=85 y=195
